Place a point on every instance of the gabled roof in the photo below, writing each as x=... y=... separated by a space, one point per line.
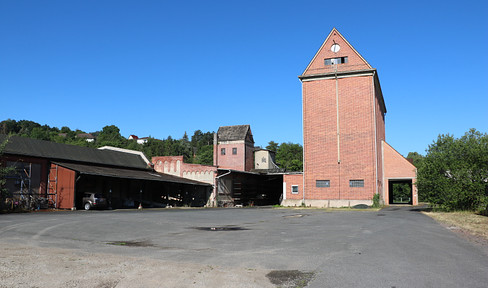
x=56 y=151
x=355 y=61
x=85 y=135
x=234 y=133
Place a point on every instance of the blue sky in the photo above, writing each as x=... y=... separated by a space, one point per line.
x=160 y=68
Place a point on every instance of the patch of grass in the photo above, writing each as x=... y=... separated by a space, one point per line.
x=471 y=222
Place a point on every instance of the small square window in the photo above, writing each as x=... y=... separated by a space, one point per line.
x=222 y=151
x=294 y=189
x=322 y=183
x=356 y=183
x=234 y=151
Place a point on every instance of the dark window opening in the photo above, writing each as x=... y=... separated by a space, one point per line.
x=334 y=61
x=222 y=151
x=234 y=151
x=294 y=189
x=322 y=183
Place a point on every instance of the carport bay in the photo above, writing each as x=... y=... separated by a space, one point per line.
x=126 y=188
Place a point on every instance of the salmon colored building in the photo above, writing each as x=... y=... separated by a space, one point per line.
x=346 y=158
x=234 y=148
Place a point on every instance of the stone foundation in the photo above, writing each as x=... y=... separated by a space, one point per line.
x=325 y=203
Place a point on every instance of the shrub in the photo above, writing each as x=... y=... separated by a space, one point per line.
x=454 y=173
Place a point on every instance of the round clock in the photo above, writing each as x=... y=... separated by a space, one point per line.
x=335 y=48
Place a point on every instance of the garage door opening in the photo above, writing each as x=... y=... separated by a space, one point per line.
x=400 y=191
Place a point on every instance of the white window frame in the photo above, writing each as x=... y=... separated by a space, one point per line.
x=294 y=186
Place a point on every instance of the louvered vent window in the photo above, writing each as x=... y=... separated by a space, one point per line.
x=334 y=61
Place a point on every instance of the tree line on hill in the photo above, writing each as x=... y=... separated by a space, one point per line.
x=198 y=149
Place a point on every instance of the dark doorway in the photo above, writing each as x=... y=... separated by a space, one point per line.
x=400 y=191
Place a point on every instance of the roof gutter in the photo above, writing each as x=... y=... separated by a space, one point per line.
x=338 y=74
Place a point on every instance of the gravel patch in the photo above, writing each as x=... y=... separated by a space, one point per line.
x=26 y=266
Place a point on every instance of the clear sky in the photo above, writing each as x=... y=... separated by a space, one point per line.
x=160 y=68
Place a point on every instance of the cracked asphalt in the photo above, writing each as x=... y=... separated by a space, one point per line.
x=393 y=247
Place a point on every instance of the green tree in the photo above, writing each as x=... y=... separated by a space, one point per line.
x=153 y=147
x=184 y=148
x=199 y=146
x=4 y=171
x=416 y=157
x=454 y=173
x=272 y=146
x=290 y=156
x=26 y=127
x=110 y=136
x=40 y=133
x=204 y=155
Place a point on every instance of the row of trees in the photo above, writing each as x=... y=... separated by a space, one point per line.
x=453 y=175
x=289 y=156
x=197 y=150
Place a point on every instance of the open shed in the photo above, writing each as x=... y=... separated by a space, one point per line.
x=61 y=174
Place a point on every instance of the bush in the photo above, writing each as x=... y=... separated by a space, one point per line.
x=454 y=173
x=376 y=201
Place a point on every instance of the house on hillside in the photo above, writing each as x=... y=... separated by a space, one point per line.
x=87 y=136
x=141 y=141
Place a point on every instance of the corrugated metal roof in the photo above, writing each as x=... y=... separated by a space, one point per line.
x=57 y=151
x=233 y=133
x=128 y=174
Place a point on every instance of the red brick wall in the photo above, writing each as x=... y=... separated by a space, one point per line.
x=249 y=157
x=361 y=125
x=242 y=161
x=159 y=162
x=380 y=133
x=355 y=61
x=357 y=137
x=397 y=167
x=290 y=180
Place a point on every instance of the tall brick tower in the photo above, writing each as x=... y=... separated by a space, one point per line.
x=343 y=126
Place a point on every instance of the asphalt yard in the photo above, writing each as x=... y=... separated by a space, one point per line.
x=240 y=247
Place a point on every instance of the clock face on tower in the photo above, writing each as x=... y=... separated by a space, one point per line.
x=335 y=48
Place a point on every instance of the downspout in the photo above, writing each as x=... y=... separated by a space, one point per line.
x=383 y=172
x=338 y=130
x=303 y=151
x=216 y=150
x=337 y=114
x=375 y=134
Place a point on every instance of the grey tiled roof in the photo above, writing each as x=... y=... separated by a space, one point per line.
x=233 y=133
x=56 y=151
